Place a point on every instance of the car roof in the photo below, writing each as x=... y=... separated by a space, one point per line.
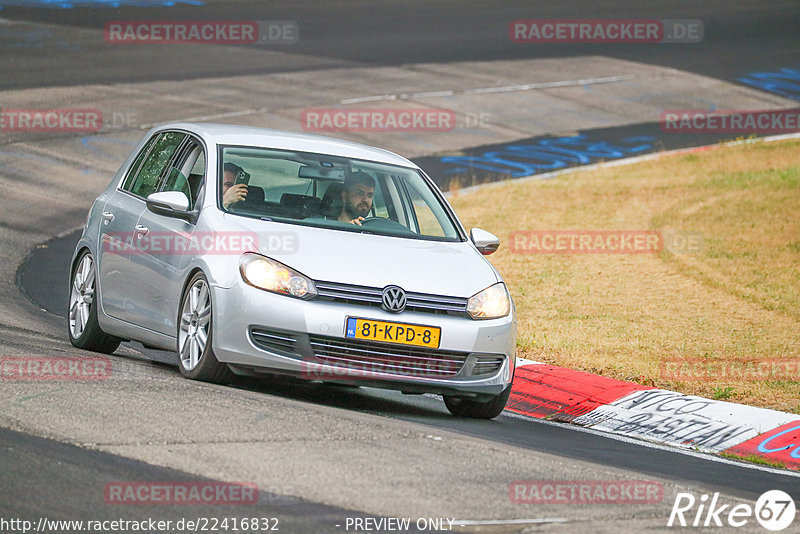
x=227 y=134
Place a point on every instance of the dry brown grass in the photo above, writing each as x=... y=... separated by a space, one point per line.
x=624 y=316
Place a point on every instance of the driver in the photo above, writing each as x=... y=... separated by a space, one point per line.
x=359 y=188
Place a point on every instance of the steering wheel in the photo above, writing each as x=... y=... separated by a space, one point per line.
x=373 y=219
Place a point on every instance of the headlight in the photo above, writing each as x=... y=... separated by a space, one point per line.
x=270 y=275
x=491 y=303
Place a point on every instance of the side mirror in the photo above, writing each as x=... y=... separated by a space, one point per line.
x=171 y=204
x=484 y=241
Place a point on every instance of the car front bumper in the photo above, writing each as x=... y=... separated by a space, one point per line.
x=300 y=327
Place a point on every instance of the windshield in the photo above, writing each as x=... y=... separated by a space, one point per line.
x=331 y=192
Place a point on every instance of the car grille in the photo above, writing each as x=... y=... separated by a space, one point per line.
x=273 y=340
x=382 y=357
x=372 y=296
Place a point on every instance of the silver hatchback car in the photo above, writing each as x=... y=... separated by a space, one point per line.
x=252 y=251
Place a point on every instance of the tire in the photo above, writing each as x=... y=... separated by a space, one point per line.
x=196 y=359
x=461 y=407
x=82 y=325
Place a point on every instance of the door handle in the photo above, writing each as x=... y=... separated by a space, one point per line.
x=108 y=216
x=141 y=231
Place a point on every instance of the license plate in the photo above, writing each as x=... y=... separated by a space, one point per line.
x=402 y=333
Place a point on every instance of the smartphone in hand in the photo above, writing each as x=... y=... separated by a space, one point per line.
x=242 y=178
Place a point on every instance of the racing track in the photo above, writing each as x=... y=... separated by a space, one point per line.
x=366 y=450
x=46 y=272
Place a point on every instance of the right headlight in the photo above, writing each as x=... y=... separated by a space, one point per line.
x=491 y=303
x=270 y=275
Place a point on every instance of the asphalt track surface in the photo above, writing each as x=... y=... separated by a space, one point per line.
x=740 y=37
x=60 y=485
x=45 y=274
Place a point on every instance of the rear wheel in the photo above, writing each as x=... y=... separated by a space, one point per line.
x=195 y=330
x=82 y=325
x=463 y=407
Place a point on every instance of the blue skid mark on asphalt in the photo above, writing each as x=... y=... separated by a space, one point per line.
x=785 y=83
x=547 y=155
x=61 y=4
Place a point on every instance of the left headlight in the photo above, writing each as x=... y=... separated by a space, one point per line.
x=491 y=303
x=270 y=275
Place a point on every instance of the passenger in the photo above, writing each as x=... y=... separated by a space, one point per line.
x=359 y=188
x=231 y=191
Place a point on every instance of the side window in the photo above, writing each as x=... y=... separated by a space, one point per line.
x=187 y=172
x=134 y=168
x=147 y=180
x=427 y=221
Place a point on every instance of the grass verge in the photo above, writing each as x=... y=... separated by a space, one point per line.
x=721 y=320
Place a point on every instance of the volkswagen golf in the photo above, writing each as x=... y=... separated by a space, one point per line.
x=259 y=252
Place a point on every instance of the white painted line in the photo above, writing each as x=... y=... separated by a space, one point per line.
x=424 y=94
x=490 y=90
x=651 y=445
x=547 y=85
x=432 y=94
x=225 y=115
x=523 y=361
x=367 y=99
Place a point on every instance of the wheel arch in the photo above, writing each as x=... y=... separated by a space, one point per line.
x=79 y=250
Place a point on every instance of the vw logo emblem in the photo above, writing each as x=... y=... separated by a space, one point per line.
x=394 y=299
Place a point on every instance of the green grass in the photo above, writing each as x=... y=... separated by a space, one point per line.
x=735 y=297
x=755 y=459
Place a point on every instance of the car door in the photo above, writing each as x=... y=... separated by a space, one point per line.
x=158 y=267
x=121 y=292
x=119 y=216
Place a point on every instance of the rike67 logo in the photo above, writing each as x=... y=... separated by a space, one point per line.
x=774 y=510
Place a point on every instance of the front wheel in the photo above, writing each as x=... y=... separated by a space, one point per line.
x=195 y=329
x=462 y=407
x=83 y=328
